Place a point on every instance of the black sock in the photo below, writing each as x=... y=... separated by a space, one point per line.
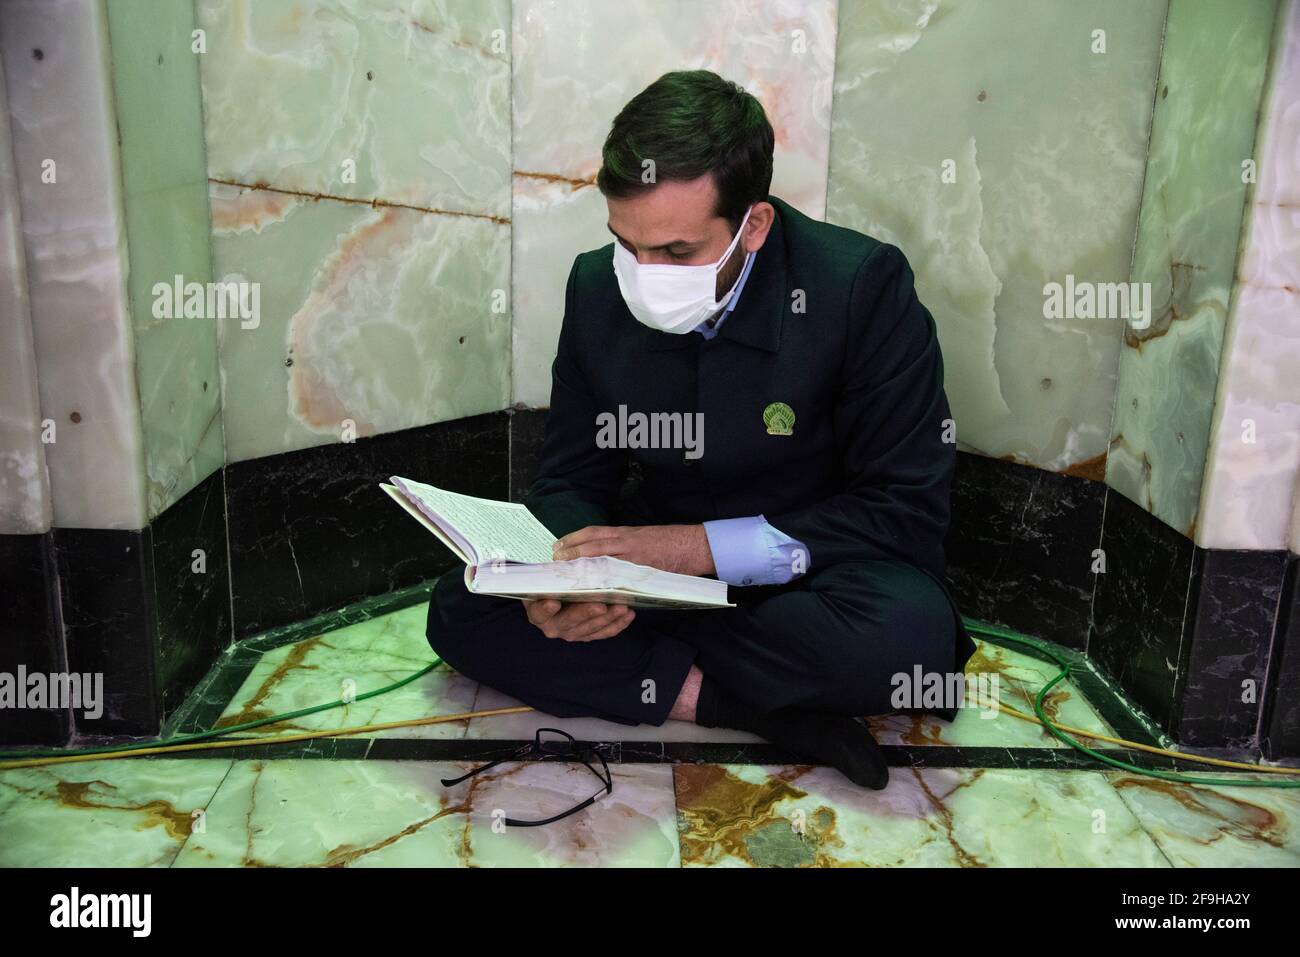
x=839 y=741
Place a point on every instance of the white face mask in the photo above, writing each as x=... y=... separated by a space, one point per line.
x=672 y=299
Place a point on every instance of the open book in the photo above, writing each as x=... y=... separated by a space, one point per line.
x=507 y=552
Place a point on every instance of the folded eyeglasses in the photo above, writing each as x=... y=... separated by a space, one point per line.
x=545 y=748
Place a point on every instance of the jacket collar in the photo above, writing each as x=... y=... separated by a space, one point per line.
x=756 y=320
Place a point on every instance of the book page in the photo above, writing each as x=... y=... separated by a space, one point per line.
x=494 y=531
x=398 y=496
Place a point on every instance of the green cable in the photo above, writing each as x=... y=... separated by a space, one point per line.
x=222 y=732
x=993 y=632
x=971 y=625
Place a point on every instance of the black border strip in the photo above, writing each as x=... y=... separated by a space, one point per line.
x=690 y=752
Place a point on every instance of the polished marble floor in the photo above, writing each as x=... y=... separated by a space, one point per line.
x=986 y=790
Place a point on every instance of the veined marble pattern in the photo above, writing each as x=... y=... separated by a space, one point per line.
x=61 y=110
x=103 y=813
x=415 y=94
x=1047 y=142
x=577 y=62
x=377 y=652
x=156 y=87
x=353 y=660
x=797 y=816
x=398 y=814
x=342 y=813
x=375 y=177
x=1198 y=826
x=1020 y=678
x=1252 y=487
x=24 y=483
x=1211 y=74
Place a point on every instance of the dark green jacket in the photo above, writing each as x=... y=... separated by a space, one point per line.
x=829 y=324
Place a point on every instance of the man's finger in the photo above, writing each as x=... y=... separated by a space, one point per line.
x=587 y=534
x=592 y=624
x=542 y=610
x=609 y=631
x=576 y=614
x=617 y=618
x=592 y=533
x=593 y=549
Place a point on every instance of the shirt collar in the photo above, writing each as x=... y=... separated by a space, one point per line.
x=703 y=328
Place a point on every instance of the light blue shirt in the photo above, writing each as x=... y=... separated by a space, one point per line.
x=749 y=551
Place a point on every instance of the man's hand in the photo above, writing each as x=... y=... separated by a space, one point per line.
x=578 y=621
x=671 y=548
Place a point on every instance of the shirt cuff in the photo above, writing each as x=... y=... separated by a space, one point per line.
x=749 y=551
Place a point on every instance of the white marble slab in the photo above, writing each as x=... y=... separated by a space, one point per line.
x=1254 y=467
x=61 y=110
x=25 y=507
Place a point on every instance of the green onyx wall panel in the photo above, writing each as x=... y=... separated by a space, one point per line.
x=1043 y=139
x=1207 y=101
x=359 y=165
x=155 y=77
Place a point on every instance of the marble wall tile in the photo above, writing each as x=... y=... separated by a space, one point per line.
x=527 y=431
x=24 y=484
x=381 y=318
x=57 y=71
x=1047 y=140
x=1253 y=471
x=155 y=77
x=359 y=155
x=1280 y=728
x=191 y=598
x=577 y=63
x=1139 y=612
x=415 y=94
x=310 y=529
x=30 y=635
x=1020 y=546
x=1202 y=639
x=1212 y=71
x=147 y=609
x=106 y=588
x=1294 y=534
x=1225 y=659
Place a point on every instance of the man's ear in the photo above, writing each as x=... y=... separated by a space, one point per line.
x=761 y=218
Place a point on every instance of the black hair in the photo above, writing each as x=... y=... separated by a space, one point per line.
x=691 y=122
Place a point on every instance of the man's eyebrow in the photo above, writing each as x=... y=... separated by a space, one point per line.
x=675 y=242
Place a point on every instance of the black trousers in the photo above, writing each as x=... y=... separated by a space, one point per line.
x=830 y=640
